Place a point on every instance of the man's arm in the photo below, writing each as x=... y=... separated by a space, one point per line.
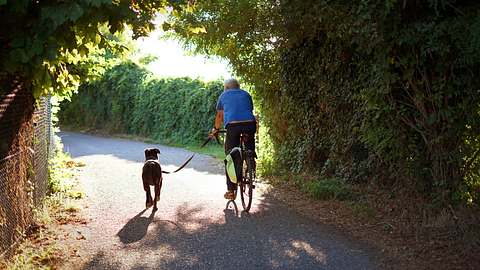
x=218 y=123
x=218 y=119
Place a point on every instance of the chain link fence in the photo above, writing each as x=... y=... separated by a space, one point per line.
x=41 y=147
x=25 y=145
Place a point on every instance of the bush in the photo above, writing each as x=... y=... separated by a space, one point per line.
x=379 y=91
x=57 y=170
x=127 y=99
x=329 y=189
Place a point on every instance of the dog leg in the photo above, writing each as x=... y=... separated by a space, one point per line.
x=159 y=189
x=149 y=200
x=157 y=196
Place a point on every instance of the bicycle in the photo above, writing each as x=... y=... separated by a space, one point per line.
x=246 y=183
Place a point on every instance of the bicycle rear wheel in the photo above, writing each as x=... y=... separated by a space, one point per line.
x=248 y=181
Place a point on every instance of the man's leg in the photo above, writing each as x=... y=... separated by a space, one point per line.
x=250 y=142
x=250 y=129
x=232 y=140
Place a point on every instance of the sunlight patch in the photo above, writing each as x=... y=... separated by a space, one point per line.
x=302 y=246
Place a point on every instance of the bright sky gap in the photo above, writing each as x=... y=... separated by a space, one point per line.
x=174 y=61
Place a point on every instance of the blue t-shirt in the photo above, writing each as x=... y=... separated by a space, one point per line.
x=237 y=105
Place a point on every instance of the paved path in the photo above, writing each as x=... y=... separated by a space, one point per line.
x=193 y=228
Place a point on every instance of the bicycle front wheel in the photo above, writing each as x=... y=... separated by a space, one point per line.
x=248 y=181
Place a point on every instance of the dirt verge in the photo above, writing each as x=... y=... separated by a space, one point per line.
x=406 y=241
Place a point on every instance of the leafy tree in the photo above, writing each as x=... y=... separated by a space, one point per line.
x=41 y=42
x=379 y=90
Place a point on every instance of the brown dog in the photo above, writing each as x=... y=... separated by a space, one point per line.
x=152 y=176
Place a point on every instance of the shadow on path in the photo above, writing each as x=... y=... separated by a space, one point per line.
x=136 y=228
x=272 y=238
x=230 y=211
x=101 y=261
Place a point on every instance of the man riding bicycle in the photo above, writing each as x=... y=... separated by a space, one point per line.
x=235 y=109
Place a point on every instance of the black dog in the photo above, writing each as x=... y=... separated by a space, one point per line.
x=152 y=176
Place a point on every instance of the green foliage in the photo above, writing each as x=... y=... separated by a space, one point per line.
x=42 y=42
x=35 y=257
x=59 y=173
x=128 y=99
x=382 y=91
x=327 y=189
x=212 y=149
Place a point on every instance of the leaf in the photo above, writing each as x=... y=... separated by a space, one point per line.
x=98 y=39
x=37 y=47
x=56 y=14
x=166 y=26
x=76 y=11
x=18 y=42
x=20 y=54
x=197 y=30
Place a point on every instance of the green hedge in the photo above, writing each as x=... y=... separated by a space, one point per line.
x=383 y=92
x=127 y=99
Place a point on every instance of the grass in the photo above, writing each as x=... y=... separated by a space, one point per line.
x=327 y=189
x=38 y=249
x=336 y=189
x=60 y=173
x=211 y=149
x=318 y=188
x=332 y=189
x=34 y=256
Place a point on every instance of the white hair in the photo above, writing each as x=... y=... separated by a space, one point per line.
x=231 y=84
